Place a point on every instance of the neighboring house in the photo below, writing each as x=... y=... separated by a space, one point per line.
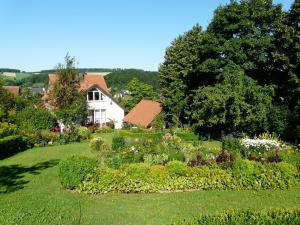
x=143 y=113
x=15 y=90
x=102 y=107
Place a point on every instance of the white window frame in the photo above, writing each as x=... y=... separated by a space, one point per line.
x=94 y=91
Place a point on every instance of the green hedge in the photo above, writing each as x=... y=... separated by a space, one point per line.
x=247 y=217
x=143 y=178
x=11 y=145
x=33 y=119
x=72 y=171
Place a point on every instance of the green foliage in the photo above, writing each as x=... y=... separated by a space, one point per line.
x=137 y=92
x=178 y=74
x=137 y=170
x=291 y=156
x=142 y=178
x=99 y=145
x=118 y=142
x=221 y=78
x=176 y=168
x=159 y=122
x=7 y=102
x=7 y=129
x=13 y=144
x=246 y=217
x=254 y=175
x=156 y=158
x=71 y=106
x=187 y=135
x=33 y=119
x=27 y=99
x=73 y=170
x=279 y=118
x=235 y=104
x=83 y=132
x=233 y=146
x=119 y=78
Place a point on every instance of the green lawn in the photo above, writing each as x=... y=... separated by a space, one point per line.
x=30 y=193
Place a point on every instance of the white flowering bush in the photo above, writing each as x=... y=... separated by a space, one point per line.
x=260 y=146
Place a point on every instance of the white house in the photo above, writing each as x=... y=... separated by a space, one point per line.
x=102 y=107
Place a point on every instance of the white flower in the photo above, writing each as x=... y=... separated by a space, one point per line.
x=257 y=143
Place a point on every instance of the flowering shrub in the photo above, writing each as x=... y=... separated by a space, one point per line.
x=258 y=147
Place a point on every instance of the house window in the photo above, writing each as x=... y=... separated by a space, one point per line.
x=90 y=96
x=97 y=116
x=103 y=115
x=94 y=95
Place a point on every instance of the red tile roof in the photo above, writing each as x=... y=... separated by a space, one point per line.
x=15 y=90
x=143 y=113
x=92 y=79
x=88 y=81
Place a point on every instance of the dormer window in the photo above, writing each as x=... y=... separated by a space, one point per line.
x=94 y=95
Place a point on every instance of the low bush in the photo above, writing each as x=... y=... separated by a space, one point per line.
x=137 y=170
x=246 y=217
x=11 y=145
x=72 y=171
x=33 y=119
x=104 y=130
x=187 y=136
x=7 y=129
x=177 y=168
x=143 y=178
x=83 y=132
x=291 y=156
x=118 y=142
x=233 y=146
x=99 y=145
x=254 y=175
x=156 y=158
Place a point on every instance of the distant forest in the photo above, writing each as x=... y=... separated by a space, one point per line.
x=82 y=70
x=119 y=78
x=116 y=80
x=9 y=70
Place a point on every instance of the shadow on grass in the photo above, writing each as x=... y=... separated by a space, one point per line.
x=12 y=177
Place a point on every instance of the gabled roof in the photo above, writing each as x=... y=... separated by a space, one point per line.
x=106 y=93
x=15 y=90
x=143 y=113
x=89 y=79
x=92 y=79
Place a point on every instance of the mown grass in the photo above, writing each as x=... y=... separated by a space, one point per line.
x=30 y=193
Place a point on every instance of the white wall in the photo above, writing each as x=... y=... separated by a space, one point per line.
x=113 y=110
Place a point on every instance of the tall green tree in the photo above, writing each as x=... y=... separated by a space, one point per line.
x=70 y=104
x=245 y=30
x=237 y=103
x=190 y=61
x=7 y=101
x=138 y=91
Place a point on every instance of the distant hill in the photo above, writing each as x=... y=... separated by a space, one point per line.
x=26 y=79
x=9 y=70
x=118 y=78
x=82 y=70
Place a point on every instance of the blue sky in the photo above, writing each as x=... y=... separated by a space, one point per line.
x=37 y=34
